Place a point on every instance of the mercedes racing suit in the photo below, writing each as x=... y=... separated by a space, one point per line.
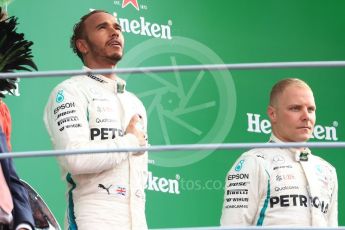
x=280 y=187
x=105 y=191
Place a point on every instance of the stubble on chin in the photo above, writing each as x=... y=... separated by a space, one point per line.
x=116 y=57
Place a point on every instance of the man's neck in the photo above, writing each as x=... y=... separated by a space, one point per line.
x=95 y=66
x=278 y=140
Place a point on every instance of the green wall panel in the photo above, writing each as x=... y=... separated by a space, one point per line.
x=189 y=107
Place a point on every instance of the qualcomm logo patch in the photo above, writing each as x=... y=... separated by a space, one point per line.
x=60 y=97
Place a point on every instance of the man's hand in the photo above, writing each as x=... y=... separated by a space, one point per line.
x=133 y=129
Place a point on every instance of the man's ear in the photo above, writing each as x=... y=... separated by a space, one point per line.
x=82 y=46
x=272 y=113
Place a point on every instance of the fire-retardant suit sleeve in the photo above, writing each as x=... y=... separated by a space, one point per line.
x=245 y=185
x=333 y=210
x=68 y=105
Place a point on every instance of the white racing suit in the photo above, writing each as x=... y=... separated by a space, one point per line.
x=280 y=187
x=105 y=191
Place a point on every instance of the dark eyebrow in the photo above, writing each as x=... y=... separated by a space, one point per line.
x=117 y=25
x=101 y=24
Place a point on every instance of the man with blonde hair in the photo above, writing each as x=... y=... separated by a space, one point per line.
x=279 y=186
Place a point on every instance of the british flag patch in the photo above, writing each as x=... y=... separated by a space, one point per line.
x=121 y=191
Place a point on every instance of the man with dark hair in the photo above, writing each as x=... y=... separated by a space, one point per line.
x=105 y=191
x=78 y=33
x=286 y=187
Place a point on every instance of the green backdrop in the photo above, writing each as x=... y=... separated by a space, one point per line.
x=189 y=107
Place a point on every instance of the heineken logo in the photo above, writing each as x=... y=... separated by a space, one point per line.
x=256 y=124
x=139 y=25
x=144 y=28
x=134 y=3
x=162 y=184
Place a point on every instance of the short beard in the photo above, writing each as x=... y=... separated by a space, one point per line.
x=116 y=58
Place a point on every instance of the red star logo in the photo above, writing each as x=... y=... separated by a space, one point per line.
x=133 y=2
